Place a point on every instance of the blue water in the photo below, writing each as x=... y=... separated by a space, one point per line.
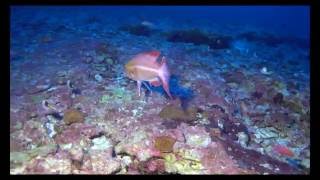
x=286 y=20
x=244 y=65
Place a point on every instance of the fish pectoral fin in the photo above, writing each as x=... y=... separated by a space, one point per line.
x=165 y=86
x=139 y=87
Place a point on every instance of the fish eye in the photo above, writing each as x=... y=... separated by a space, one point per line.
x=132 y=72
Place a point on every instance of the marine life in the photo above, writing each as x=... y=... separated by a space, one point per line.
x=265 y=71
x=283 y=150
x=144 y=67
x=148 y=24
x=73 y=116
x=159 y=90
x=164 y=143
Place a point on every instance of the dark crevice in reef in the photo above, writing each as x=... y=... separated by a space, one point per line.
x=138 y=30
x=272 y=40
x=97 y=135
x=197 y=37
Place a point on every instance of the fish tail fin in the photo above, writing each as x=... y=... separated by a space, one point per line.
x=164 y=76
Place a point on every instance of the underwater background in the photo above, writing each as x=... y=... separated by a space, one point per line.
x=238 y=77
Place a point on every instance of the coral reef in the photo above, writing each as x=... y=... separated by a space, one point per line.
x=183 y=166
x=118 y=95
x=19 y=158
x=102 y=163
x=241 y=96
x=101 y=143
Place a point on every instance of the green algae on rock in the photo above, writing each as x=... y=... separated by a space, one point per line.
x=19 y=158
x=117 y=95
x=295 y=106
x=181 y=166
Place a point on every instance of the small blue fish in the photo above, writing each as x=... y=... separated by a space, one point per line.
x=295 y=163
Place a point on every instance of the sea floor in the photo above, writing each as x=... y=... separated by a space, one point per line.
x=241 y=99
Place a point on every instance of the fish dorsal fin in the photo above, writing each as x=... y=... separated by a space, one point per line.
x=153 y=55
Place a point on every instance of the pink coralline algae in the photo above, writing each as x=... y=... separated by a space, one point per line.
x=217 y=161
x=52 y=164
x=32 y=133
x=102 y=163
x=152 y=166
x=75 y=132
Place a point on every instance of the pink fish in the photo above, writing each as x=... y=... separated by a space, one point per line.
x=283 y=150
x=145 y=67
